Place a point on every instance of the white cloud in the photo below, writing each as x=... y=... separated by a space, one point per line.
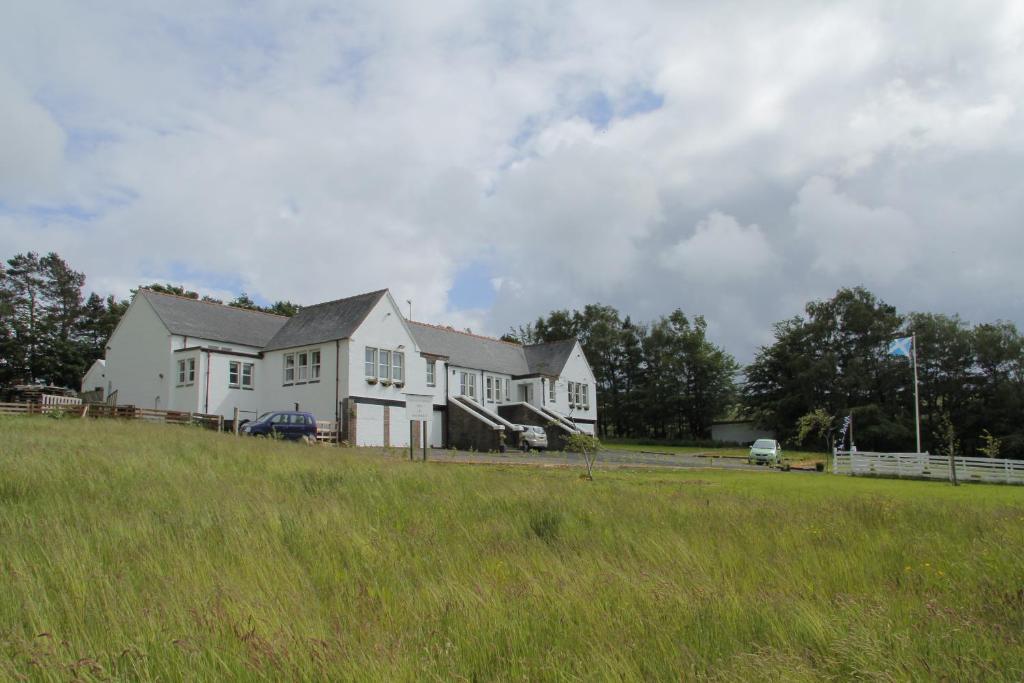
x=722 y=251
x=877 y=243
x=311 y=151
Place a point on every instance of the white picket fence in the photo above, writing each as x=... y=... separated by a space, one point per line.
x=927 y=466
x=53 y=400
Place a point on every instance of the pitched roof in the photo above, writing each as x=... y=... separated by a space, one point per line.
x=325 y=322
x=216 y=322
x=549 y=358
x=470 y=350
x=484 y=353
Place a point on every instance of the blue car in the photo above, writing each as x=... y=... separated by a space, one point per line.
x=285 y=424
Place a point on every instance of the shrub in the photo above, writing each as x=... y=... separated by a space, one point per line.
x=579 y=442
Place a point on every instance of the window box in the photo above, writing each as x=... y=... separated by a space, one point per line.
x=371 y=380
x=385 y=382
x=399 y=384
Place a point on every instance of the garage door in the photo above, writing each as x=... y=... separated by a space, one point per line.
x=369 y=425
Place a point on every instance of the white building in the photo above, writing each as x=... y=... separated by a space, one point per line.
x=355 y=360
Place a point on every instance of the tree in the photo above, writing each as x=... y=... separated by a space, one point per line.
x=816 y=425
x=834 y=358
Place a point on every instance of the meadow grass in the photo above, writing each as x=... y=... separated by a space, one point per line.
x=147 y=552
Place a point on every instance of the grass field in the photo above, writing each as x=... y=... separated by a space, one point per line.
x=133 y=551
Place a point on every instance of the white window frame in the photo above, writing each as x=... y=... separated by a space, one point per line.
x=248 y=376
x=384 y=364
x=552 y=391
x=370 y=362
x=288 y=367
x=181 y=372
x=301 y=367
x=431 y=372
x=398 y=366
x=191 y=371
x=508 y=390
x=314 y=365
x=234 y=370
x=489 y=388
x=467 y=384
x=586 y=397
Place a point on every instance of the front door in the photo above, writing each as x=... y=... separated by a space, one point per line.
x=526 y=393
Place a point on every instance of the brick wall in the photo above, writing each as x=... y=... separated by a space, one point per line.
x=467 y=432
x=521 y=415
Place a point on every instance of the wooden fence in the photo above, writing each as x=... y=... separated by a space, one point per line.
x=99 y=410
x=327 y=431
x=927 y=466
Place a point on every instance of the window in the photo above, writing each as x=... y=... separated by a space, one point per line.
x=186 y=371
x=371 y=362
x=508 y=390
x=247 y=375
x=489 y=383
x=289 y=368
x=397 y=365
x=234 y=374
x=431 y=369
x=572 y=394
x=586 y=397
x=314 y=366
x=303 y=366
x=385 y=364
x=551 y=390
x=467 y=384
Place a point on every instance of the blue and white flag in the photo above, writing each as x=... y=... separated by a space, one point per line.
x=901 y=346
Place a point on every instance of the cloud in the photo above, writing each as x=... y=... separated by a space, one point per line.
x=647 y=157
x=32 y=145
x=875 y=243
x=722 y=251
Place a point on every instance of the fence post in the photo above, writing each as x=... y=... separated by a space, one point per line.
x=220 y=423
x=234 y=422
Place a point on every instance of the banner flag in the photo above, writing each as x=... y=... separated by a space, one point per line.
x=901 y=346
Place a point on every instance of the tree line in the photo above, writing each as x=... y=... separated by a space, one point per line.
x=664 y=379
x=834 y=361
x=50 y=333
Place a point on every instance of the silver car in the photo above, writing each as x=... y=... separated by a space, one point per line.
x=533 y=437
x=765 y=451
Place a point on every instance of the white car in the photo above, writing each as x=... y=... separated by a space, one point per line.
x=533 y=437
x=765 y=451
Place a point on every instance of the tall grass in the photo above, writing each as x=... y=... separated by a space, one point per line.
x=133 y=551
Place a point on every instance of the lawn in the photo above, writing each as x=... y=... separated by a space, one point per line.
x=146 y=552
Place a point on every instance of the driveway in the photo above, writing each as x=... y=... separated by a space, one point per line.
x=605 y=458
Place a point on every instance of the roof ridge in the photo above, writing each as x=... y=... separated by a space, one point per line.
x=555 y=341
x=345 y=298
x=211 y=303
x=468 y=334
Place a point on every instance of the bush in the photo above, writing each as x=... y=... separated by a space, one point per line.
x=579 y=442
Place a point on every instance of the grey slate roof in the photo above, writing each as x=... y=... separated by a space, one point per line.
x=469 y=350
x=549 y=358
x=325 y=322
x=215 y=322
x=483 y=353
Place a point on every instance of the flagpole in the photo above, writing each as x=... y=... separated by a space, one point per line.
x=917 y=403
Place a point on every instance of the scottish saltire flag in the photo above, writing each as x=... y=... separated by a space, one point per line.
x=901 y=346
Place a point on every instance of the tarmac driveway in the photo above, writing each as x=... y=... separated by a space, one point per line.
x=605 y=458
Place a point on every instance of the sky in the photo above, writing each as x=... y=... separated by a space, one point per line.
x=492 y=161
